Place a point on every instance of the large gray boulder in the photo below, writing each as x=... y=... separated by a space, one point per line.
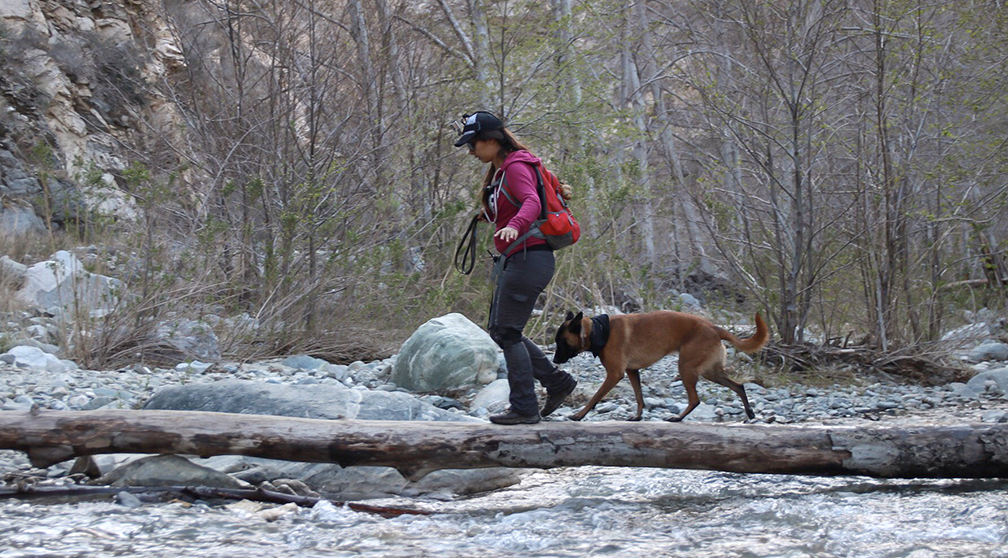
x=63 y=282
x=188 y=339
x=24 y=356
x=318 y=401
x=444 y=354
x=352 y=483
x=168 y=470
x=989 y=350
x=999 y=376
x=328 y=401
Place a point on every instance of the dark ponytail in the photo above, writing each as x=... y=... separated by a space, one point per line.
x=509 y=143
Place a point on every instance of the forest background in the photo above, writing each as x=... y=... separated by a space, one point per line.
x=837 y=165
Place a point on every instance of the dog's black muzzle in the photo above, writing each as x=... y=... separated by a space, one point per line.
x=563 y=352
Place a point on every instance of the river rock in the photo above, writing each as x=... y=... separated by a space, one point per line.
x=978 y=382
x=966 y=333
x=13 y=269
x=128 y=500
x=24 y=356
x=352 y=483
x=964 y=391
x=194 y=367
x=303 y=362
x=190 y=339
x=168 y=470
x=689 y=301
x=703 y=413
x=279 y=512
x=320 y=401
x=990 y=350
x=994 y=416
x=327 y=401
x=446 y=353
x=494 y=395
x=294 y=487
x=63 y=282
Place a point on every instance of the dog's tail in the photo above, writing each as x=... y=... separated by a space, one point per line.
x=752 y=344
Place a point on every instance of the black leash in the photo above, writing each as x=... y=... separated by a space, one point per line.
x=467 y=248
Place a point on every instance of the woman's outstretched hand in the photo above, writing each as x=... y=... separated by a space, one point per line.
x=507 y=234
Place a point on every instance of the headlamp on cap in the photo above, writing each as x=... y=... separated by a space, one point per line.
x=477 y=123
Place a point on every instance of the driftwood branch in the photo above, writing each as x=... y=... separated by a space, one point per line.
x=417 y=448
x=204 y=492
x=919 y=363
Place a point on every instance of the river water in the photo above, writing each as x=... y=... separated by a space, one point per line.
x=587 y=511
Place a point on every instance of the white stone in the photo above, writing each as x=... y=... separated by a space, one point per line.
x=496 y=391
x=24 y=356
x=62 y=281
x=12 y=267
x=194 y=367
x=689 y=300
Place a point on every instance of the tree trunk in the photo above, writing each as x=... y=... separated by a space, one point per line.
x=417 y=448
x=633 y=99
x=685 y=227
x=481 y=56
x=370 y=86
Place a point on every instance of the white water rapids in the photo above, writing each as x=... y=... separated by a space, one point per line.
x=588 y=511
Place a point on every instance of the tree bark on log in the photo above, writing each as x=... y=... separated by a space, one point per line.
x=417 y=448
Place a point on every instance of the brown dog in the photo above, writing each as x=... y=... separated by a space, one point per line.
x=629 y=342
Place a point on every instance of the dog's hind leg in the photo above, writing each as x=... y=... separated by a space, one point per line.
x=689 y=380
x=634 y=376
x=719 y=376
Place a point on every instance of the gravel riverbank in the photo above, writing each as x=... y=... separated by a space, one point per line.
x=67 y=387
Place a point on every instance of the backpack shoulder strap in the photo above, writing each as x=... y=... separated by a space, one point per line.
x=507 y=193
x=540 y=190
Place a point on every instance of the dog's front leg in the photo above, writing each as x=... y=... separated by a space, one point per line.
x=634 y=376
x=613 y=376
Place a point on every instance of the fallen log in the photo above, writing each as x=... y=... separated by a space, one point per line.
x=417 y=448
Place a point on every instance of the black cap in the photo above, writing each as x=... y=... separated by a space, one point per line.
x=479 y=122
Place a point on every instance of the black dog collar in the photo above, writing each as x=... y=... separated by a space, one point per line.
x=599 y=333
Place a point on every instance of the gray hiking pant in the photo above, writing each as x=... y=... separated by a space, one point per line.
x=526 y=274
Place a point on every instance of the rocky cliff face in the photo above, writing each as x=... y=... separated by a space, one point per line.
x=76 y=98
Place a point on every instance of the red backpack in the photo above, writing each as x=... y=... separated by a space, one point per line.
x=556 y=223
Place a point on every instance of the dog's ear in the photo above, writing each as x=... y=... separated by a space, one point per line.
x=574 y=324
x=579 y=317
x=570 y=316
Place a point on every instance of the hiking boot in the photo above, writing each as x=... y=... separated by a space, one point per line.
x=511 y=417
x=554 y=400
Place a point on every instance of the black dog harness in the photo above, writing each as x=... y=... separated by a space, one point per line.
x=599 y=333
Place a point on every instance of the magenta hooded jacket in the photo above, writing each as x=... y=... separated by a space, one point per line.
x=521 y=181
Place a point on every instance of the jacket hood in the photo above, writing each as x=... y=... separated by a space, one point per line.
x=519 y=157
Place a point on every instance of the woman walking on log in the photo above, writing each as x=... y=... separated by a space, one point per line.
x=524 y=267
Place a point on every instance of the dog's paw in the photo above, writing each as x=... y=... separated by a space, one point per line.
x=634 y=419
